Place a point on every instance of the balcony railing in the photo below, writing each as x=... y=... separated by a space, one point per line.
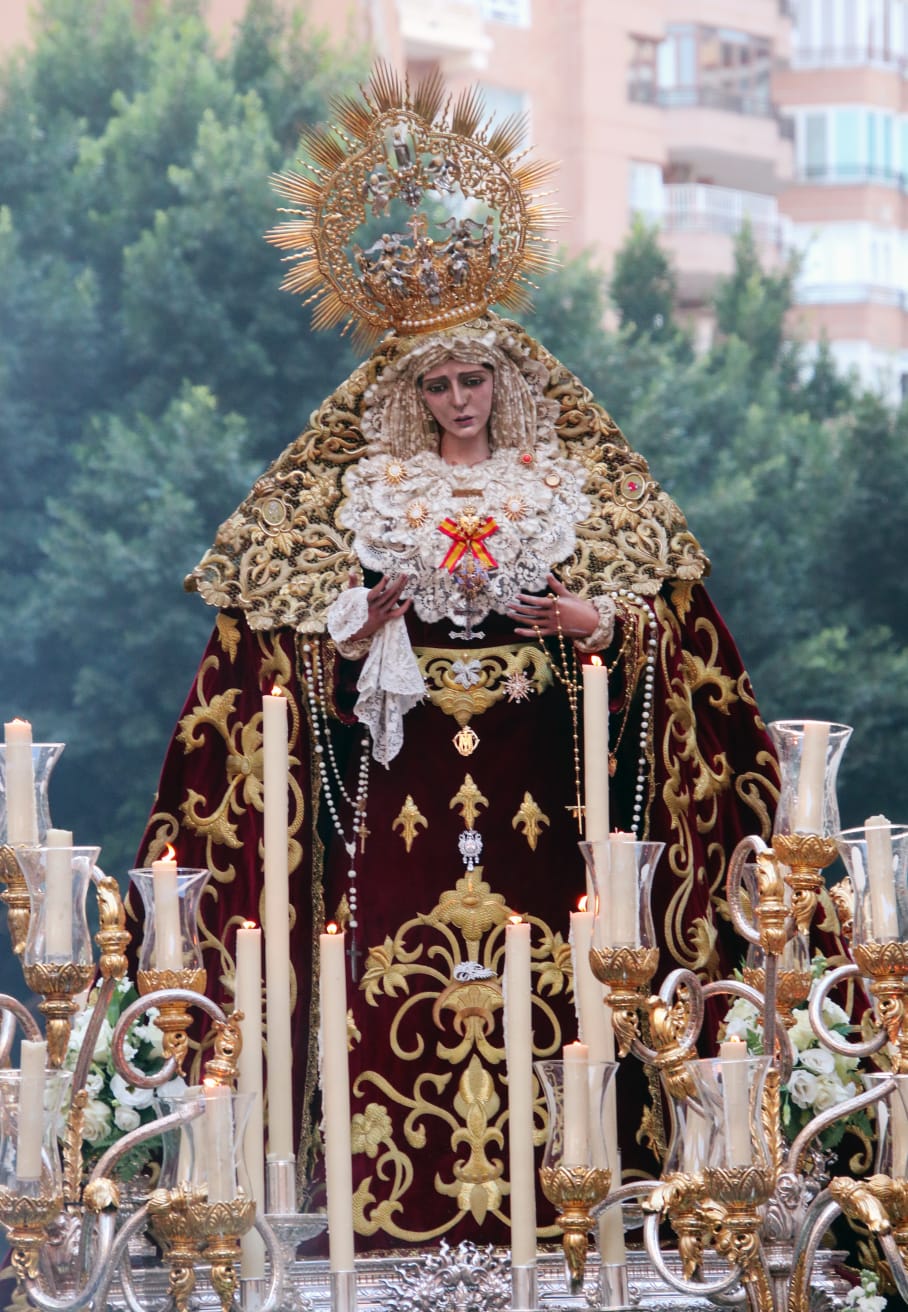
x=851 y=293
x=697 y=207
x=437 y=28
x=852 y=175
x=857 y=56
x=753 y=104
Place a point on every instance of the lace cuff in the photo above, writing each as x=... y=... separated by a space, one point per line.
x=346 y=616
x=389 y=685
x=604 y=630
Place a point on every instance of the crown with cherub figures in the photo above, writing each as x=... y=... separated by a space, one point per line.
x=464 y=199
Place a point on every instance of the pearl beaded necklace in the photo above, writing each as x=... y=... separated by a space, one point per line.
x=652 y=644
x=321 y=730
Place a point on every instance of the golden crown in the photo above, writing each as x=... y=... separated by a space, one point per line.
x=462 y=197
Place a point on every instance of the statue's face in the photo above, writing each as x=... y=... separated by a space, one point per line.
x=459 y=396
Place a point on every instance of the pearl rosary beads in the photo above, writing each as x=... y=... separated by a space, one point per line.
x=324 y=747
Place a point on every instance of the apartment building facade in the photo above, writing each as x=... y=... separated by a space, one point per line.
x=790 y=115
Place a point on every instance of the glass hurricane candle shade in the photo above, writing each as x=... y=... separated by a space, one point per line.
x=892 y=1126
x=809 y=752
x=185 y=940
x=29 y=1147
x=622 y=875
x=44 y=758
x=58 y=879
x=575 y=1105
x=720 y=1128
x=876 y=858
x=207 y=1153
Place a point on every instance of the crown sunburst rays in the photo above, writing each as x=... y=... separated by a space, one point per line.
x=476 y=220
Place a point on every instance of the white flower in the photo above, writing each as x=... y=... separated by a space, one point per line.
x=742 y=1016
x=128 y=1095
x=151 y=1035
x=97 y=1120
x=801 y=1032
x=103 y=1041
x=830 y=1092
x=94 y=1082
x=802 y=1088
x=819 y=1060
x=174 y=1088
x=127 y=1118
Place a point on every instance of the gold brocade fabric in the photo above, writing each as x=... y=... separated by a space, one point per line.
x=282 y=558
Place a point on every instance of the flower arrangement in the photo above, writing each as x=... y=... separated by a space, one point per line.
x=820 y=1079
x=866 y=1296
x=115 y=1107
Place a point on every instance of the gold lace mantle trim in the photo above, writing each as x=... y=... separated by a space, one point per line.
x=282 y=558
x=488 y=670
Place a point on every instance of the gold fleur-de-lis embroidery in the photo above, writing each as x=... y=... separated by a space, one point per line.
x=409 y=817
x=531 y=818
x=469 y=799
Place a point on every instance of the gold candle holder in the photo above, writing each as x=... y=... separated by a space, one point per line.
x=574 y=1191
x=740 y=1191
x=681 y=1196
x=16 y=897
x=806 y=856
x=112 y=937
x=174 y=1017
x=187 y=1227
x=626 y=972
x=58 y=984
x=792 y=989
x=26 y=1218
x=886 y=965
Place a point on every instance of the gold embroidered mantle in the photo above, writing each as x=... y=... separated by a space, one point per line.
x=282 y=557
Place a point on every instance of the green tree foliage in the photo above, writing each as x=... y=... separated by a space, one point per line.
x=643 y=284
x=148 y=366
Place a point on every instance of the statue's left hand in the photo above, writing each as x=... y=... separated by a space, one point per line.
x=558 y=612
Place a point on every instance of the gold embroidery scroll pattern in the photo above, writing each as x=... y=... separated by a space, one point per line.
x=691 y=943
x=281 y=558
x=408 y=820
x=488 y=667
x=467 y=924
x=242 y=790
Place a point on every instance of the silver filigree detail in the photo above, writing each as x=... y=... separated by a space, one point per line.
x=452 y=1280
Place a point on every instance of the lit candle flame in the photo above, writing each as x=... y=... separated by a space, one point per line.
x=249 y=924
x=331 y=928
x=595 y=660
x=170 y=854
x=277 y=690
x=516 y=920
x=582 y=903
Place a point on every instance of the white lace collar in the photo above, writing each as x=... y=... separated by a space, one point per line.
x=395 y=508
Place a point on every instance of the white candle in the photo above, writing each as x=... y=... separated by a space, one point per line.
x=58 y=896
x=21 y=813
x=188 y=1171
x=594 y=1020
x=898 y=1130
x=335 y=1081
x=168 y=938
x=518 y=1039
x=695 y=1147
x=218 y=1135
x=736 y=1084
x=623 y=919
x=595 y=750
x=808 y=812
x=881 y=879
x=276 y=774
x=249 y=1080
x=576 y=1105
x=30 y=1135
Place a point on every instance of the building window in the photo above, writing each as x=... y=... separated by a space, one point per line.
x=645 y=189
x=854 y=143
x=502 y=103
x=837 y=32
x=642 y=82
x=699 y=65
x=516 y=13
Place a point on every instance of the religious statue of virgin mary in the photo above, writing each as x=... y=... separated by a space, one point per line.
x=422 y=573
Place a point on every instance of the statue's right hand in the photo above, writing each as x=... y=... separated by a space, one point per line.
x=384 y=604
